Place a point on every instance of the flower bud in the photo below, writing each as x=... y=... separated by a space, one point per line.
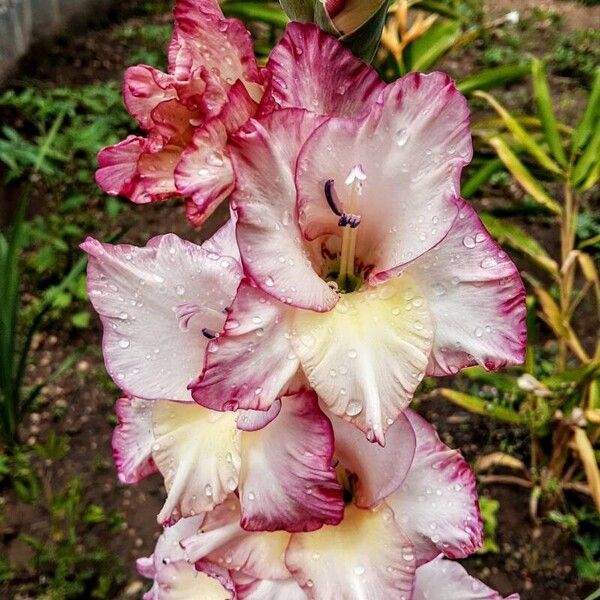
x=358 y=23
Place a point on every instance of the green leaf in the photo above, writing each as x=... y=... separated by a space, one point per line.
x=81 y=319
x=528 y=143
x=255 y=11
x=489 y=514
x=482 y=407
x=297 y=10
x=517 y=239
x=523 y=176
x=480 y=177
x=541 y=92
x=585 y=128
x=502 y=383
x=425 y=51
x=589 y=160
x=491 y=78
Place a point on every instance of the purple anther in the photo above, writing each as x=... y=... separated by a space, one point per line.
x=332 y=197
x=354 y=221
x=209 y=333
x=343 y=220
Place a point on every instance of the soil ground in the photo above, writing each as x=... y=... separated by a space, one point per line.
x=535 y=560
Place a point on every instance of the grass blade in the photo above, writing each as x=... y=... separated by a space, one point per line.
x=541 y=92
x=523 y=175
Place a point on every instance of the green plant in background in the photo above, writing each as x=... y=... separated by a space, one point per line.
x=556 y=395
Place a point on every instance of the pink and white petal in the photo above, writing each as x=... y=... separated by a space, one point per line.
x=132 y=440
x=169 y=568
x=204 y=171
x=250 y=365
x=476 y=297
x=144 y=89
x=154 y=303
x=365 y=557
x=198 y=453
x=156 y=171
x=117 y=172
x=255 y=589
x=204 y=38
x=302 y=75
x=181 y=581
x=254 y=420
x=379 y=471
x=411 y=148
x=222 y=541
x=223 y=242
x=286 y=478
x=366 y=357
x=270 y=240
x=443 y=579
x=436 y=505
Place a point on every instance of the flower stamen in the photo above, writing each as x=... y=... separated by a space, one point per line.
x=350 y=221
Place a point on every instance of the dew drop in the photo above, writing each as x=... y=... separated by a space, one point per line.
x=354 y=408
x=468 y=242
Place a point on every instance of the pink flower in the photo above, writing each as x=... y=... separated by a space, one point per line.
x=212 y=86
x=389 y=529
x=362 y=265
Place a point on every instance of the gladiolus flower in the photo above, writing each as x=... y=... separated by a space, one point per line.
x=362 y=263
x=212 y=86
x=389 y=529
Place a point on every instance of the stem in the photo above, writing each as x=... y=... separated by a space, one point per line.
x=567 y=272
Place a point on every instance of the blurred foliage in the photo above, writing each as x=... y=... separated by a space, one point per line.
x=557 y=394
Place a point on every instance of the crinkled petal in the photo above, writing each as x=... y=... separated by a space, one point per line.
x=366 y=357
x=156 y=172
x=255 y=589
x=204 y=38
x=204 y=171
x=436 y=505
x=365 y=557
x=144 y=89
x=251 y=363
x=224 y=242
x=411 y=148
x=154 y=303
x=286 y=479
x=443 y=579
x=132 y=440
x=198 y=453
x=181 y=581
x=270 y=241
x=174 y=577
x=476 y=297
x=117 y=172
x=312 y=70
x=222 y=541
x=254 y=420
x=379 y=471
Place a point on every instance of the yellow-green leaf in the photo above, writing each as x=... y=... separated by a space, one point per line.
x=517 y=239
x=482 y=407
x=585 y=128
x=590 y=464
x=589 y=159
x=523 y=175
x=543 y=100
x=521 y=135
x=489 y=78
